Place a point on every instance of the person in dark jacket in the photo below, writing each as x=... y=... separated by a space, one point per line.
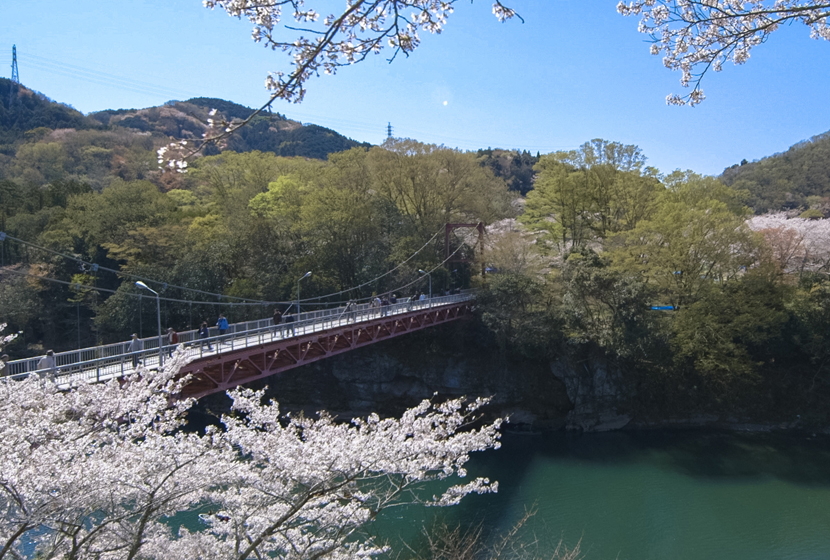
x=204 y=334
x=277 y=319
x=289 y=321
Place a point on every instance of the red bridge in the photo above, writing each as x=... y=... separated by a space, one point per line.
x=227 y=370
x=256 y=350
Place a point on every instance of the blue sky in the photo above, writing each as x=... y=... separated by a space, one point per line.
x=575 y=70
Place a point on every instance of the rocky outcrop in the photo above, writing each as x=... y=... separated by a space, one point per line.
x=444 y=362
x=597 y=393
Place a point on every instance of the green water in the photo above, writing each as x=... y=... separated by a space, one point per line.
x=656 y=495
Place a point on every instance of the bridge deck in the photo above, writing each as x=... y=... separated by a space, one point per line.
x=256 y=349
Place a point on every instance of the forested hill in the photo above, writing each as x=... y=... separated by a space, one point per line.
x=797 y=178
x=22 y=110
x=266 y=133
x=25 y=115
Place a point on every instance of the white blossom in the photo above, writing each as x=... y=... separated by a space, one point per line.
x=94 y=472
x=797 y=244
x=696 y=35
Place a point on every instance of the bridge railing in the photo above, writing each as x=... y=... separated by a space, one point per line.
x=114 y=360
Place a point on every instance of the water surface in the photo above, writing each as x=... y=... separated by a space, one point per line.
x=657 y=495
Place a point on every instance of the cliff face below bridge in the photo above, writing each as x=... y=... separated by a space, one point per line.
x=448 y=361
x=461 y=359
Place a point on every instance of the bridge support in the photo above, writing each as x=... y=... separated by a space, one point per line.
x=448 y=228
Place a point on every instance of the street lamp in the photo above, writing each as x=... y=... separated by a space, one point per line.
x=141 y=284
x=306 y=275
x=430 y=281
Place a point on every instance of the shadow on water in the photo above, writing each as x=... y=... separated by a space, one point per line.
x=711 y=454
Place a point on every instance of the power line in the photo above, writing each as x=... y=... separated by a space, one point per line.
x=100 y=78
x=79 y=286
x=387 y=273
x=164 y=285
x=97 y=267
x=146 y=88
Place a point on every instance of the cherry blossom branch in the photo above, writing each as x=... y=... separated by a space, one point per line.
x=695 y=36
x=364 y=28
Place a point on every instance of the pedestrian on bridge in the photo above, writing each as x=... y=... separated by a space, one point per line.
x=350 y=312
x=134 y=347
x=289 y=320
x=204 y=334
x=277 y=319
x=222 y=325
x=172 y=341
x=47 y=366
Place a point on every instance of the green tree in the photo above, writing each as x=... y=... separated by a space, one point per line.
x=729 y=334
x=696 y=237
x=112 y=217
x=432 y=185
x=516 y=308
x=346 y=224
x=590 y=193
x=41 y=162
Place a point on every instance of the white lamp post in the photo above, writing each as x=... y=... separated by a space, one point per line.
x=141 y=284
x=306 y=275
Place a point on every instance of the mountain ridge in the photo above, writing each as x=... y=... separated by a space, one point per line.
x=23 y=110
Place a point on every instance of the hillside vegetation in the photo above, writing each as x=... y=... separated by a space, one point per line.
x=786 y=180
x=600 y=240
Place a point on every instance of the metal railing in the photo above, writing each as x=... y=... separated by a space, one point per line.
x=109 y=361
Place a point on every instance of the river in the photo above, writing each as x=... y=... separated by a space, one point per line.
x=656 y=495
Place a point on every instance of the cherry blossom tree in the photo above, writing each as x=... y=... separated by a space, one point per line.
x=797 y=244
x=101 y=470
x=4 y=341
x=695 y=36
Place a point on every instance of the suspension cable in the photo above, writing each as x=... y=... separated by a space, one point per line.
x=412 y=256
x=250 y=301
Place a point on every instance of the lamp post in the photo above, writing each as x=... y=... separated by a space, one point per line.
x=306 y=275
x=141 y=284
x=429 y=275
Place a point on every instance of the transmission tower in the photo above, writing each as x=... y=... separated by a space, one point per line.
x=389 y=130
x=15 y=83
x=15 y=73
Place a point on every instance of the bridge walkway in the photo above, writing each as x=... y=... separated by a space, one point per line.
x=289 y=344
